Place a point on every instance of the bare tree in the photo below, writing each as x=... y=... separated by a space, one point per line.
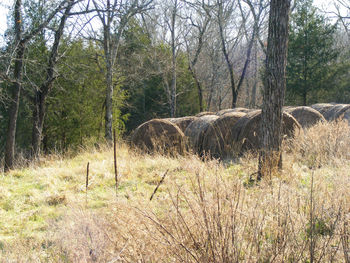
x=42 y=93
x=114 y=16
x=270 y=156
x=343 y=13
x=22 y=37
x=258 y=10
x=199 y=17
x=170 y=22
x=226 y=13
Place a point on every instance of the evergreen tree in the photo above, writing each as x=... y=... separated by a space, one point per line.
x=311 y=55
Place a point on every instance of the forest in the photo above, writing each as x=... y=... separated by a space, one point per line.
x=72 y=71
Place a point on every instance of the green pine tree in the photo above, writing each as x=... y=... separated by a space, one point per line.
x=311 y=55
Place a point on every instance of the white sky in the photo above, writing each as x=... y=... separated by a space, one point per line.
x=3 y=13
x=326 y=5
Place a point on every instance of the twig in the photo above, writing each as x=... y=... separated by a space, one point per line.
x=160 y=182
x=87 y=181
x=115 y=163
x=312 y=226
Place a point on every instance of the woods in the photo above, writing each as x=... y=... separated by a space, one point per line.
x=73 y=70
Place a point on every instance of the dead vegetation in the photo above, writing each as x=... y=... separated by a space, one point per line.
x=204 y=211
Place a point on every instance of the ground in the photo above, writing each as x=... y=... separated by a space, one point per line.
x=204 y=211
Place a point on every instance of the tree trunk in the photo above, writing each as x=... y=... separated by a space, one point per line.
x=226 y=55
x=12 y=124
x=16 y=90
x=270 y=157
x=109 y=104
x=41 y=95
x=199 y=89
x=256 y=76
x=38 y=122
x=173 y=62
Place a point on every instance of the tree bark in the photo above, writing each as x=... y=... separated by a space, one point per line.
x=270 y=156
x=256 y=76
x=173 y=62
x=16 y=89
x=199 y=89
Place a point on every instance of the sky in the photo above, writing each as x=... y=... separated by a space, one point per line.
x=4 y=4
x=3 y=14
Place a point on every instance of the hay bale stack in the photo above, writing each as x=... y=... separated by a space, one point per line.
x=336 y=112
x=158 y=135
x=182 y=122
x=306 y=116
x=322 y=107
x=218 y=137
x=204 y=113
x=195 y=132
x=247 y=130
x=226 y=111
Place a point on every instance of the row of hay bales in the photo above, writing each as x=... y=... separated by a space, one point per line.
x=223 y=134
x=333 y=111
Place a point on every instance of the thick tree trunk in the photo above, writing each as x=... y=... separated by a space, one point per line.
x=12 y=124
x=16 y=90
x=270 y=157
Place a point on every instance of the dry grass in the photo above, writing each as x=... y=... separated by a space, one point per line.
x=322 y=144
x=202 y=212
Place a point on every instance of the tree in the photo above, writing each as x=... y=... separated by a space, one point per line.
x=343 y=13
x=198 y=17
x=42 y=93
x=22 y=37
x=312 y=54
x=270 y=156
x=114 y=16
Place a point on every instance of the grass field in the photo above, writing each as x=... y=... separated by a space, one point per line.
x=204 y=211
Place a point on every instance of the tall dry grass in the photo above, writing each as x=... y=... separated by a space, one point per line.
x=207 y=211
x=326 y=143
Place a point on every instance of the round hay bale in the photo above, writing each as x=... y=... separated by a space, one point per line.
x=247 y=130
x=322 y=107
x=336 y=112
x=182 y=122
x=205 y=113
x=195 y=132
x=218 y=136
x=346 y=115
x=225 y=111
x=306 y=116
x=158 y=136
